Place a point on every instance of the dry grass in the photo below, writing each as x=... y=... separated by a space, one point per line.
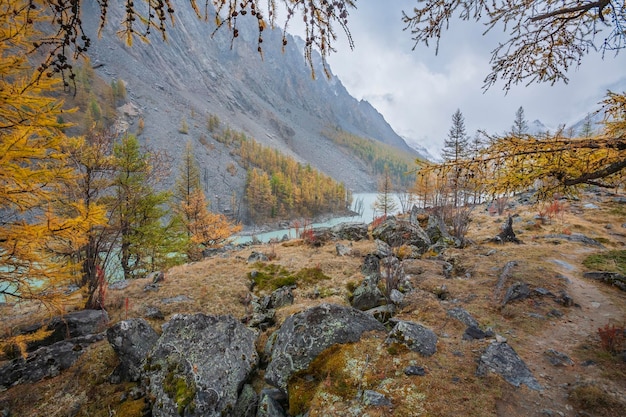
x=218 y=286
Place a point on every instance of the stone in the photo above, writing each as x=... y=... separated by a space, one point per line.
x=199 y=364
x=371 y=266
x=557 y=358
x=474 y=333
x=367 y=296
x=399 y=232
x=257 y=257
x=353 y=231
x=269 y=403
x=343 y=250
x=119 y=285
x=45 y=362
x=503 y=360
x=176 y=299
x=151 y=287
x=246 y=403
x=305 y=335
x=612 y=278
x=463 y=316
x=154 y=313
x=413 y=370
x=131 y=340
x=396 y=296
x=414 y=336
x=517 y=291
x=383 y=250
x=376 y=399
x=383 y=313
x=281 y=297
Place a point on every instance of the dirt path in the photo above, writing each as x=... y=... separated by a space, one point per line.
x=593 y=309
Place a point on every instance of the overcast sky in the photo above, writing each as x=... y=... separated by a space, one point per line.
x=417 y=91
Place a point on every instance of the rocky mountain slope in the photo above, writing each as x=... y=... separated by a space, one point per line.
x=485 y=330
x=272 y=97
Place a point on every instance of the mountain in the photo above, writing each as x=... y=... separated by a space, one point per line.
x=271 y=97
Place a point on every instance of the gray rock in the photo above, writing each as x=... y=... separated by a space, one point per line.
x=396 y=296
x=383 y=313
x=247 y=402
x=415 y=336
x=154 y=313
x=375 y=399
x=119 y=285
x=398 y=232
x=383 y=250
x=281 y=297
x=353 y=231
x=343 y=250
x=503 y=360
x=371 y=265
x=269 y=403
x=74 y=324
x=151 y=287
x=131 y=340
x=612 y=278
x=413 y=370
x=177 y=299
x=557 y=358
x=463 y=316
x=45 y=362
x=517 y=291
x=199 y=365
x=305 y=335
x=257 y=257
x=367 y=296
x=475 y=333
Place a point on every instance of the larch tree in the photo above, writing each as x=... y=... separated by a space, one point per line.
x=40 y=228
x=520 y=124
x=385 y=200
x=455 y=149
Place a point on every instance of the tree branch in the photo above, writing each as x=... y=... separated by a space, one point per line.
x=601 y=4
x=602 y=173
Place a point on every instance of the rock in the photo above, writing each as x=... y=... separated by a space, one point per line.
x=558 y=358
x=415 y=336
x=154 y=313
x=156 y=276
x=375 y=399
x=503 y=360
x=305 y=335
x=247 y=403
x=463 y=316
x=353 y=231
x=343 y=250
x=199 y=364
x=131 y=340
x=474 y=333
x=177 y=299
x=383 y=313
x=383 y=250
x=45 y=362
x=517 y=291
x=564 y=299
x=269 y=403
x=151 y=287
x=74 y=324
x=281 y=297
x=367 y=296
x=371 y=265
x=575 y=237
x=396 y=296
x=119 y=285
x=612 y=278
x=257 y=257
x=398 y=232
x=413 y=370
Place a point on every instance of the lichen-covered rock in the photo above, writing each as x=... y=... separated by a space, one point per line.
x=367 y=296
x=305 y=335
x=45 y=362
x=353 y=231
x=415 y=336
x=132 y=340
x=503 y=360
x=517 y=291
x=199 y=365
x=463 y=316
x=269 y=403
x=397 y=232
x=247 y=403
x=371 y=266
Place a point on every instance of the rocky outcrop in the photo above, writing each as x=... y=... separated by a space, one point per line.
x=45 y=362
x=398 y=232
x=199 y=365
x=612 y=278
x=503 y=360
x=414 y=336
x=305 y=335
x=131 y=340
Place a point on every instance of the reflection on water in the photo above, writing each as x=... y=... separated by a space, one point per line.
x=362 y=203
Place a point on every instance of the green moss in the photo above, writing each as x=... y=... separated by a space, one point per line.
x=270 y=277
x=326 y=374
x=181 y=390
x=610 y=261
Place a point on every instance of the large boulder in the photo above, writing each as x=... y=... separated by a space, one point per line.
x=199 y=365
x=503 y=360
x=353 y=231
x=398 y=232
x=132 y=340
x=45 y=362
x=305 y=335
x=414 y=336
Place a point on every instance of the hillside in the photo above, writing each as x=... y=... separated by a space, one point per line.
x=553 y=329
x=272 y=98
